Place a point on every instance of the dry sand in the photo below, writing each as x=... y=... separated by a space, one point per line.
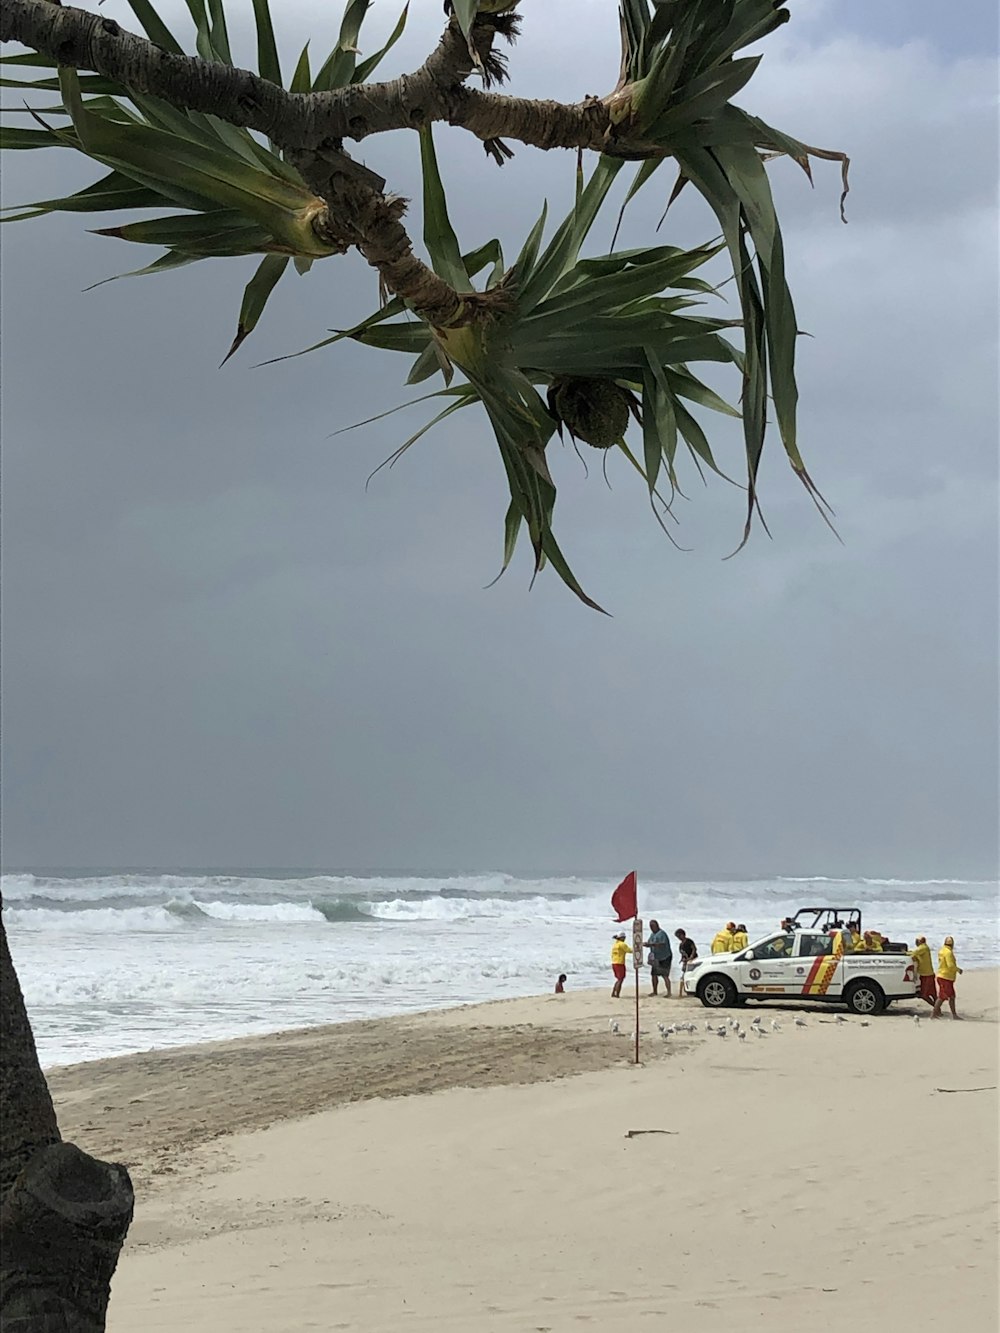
x=472 y=1169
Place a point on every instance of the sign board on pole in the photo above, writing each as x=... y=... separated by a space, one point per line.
x=637 y=942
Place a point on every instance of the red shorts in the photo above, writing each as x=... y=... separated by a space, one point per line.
x=945 y=989
x=927 y=991
x=619 y=970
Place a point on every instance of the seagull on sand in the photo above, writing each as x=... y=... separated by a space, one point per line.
x=756 y=1022
x=614 y=1026
x=742 y=1036
x=722 y=1032
x=708 y=1025
x=864 y=1022
x=759 y=1031
x=660 y=1028
x=801 y=1023
x=775 y=1025
x=841 y=1018
x=916 y=1019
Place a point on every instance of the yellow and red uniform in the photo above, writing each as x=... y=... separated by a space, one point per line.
x=921 y=955
x=947 y=970
x=619 y=951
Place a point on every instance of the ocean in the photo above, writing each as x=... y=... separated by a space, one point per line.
x=112 y=964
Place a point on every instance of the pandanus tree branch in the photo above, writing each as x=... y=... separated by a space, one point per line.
x=312 y=126
x=359 y=214
x=433 y=93
x=178 y=131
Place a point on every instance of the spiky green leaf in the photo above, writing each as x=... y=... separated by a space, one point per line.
x=255 y=296
x=268 y=62
x=154 y=27
x=301 y=78
x=338 y=69
x=367 y=67
x=439 y=236
x=563 y=250
x=165 y=264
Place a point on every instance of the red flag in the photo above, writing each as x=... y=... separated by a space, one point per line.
x=624 y=901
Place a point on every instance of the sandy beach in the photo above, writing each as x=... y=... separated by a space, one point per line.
x=505 y=1166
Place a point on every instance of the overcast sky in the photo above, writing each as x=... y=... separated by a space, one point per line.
x=220 y=651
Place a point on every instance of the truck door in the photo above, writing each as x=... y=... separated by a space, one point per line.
x=771 y=970
x=818 y=967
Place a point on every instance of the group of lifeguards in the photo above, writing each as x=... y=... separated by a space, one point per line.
x=937 y=984
x=731 y=938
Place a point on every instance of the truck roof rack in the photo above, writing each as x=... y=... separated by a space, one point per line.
x=822 y=918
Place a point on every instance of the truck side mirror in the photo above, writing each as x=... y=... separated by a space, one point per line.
x=749 y=956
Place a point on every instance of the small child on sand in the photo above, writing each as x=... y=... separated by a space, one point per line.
x=561 y=984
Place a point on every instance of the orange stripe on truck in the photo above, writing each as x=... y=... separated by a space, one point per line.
x=821 y=974
x=812 y=975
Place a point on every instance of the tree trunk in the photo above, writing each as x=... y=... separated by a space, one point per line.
x=63 y=1214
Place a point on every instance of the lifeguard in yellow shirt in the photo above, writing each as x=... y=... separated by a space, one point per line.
x=947 y=971
x=921 y=955
x=740 y=938
x=723 y=942
x=619 y=952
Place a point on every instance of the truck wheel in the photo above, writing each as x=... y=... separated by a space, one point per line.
x=865 y=997
x=717 y=992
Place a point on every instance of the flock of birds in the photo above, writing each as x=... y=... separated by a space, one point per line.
x=731 y=1026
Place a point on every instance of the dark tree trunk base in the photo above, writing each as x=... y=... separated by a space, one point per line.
x=62 y=1227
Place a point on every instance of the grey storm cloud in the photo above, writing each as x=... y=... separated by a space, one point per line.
x=220 y=649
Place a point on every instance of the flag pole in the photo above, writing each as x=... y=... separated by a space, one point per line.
x=625 y=903
x=637 y=947
x=636 y=971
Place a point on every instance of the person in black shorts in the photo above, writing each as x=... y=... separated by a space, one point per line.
x=688 y=951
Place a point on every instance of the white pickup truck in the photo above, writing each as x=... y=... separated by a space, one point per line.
x=802 y=965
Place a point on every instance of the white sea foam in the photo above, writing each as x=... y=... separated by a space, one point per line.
x=464 y=909
x=120 y=920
